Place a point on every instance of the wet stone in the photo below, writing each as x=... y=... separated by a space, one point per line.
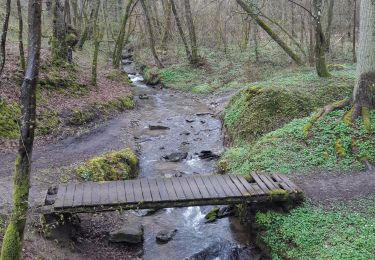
x=175 y=157
x=143 y=96
x=185 y=133
x=52 y=190
x=207 y=155
x=132 y=234
x=190 y=120
x=158 y=127
x=165 y=236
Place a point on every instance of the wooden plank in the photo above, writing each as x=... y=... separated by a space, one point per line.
x=121 y=196
x=281 y=182
x=234 y=189
x=240 y=187
x=112 y=192
x=210 y=188
x=69 y=196
x=289 y=182
x=177 y=187
x=154 y=190
x=162 y=189
x=268 y=183
x=78 y=195
x=104 y=193
x=185 y=186
x=170 y=189
x=138 y=196
x=95 y=193
x=129 y=191
x=257 y=189
x=260 y=182
x=86 y=200
x=248 y=186
x=194 y=187
x=60 y=196
x=146 y=190
x=202 y=187
x=275 y=183
x=220 y=187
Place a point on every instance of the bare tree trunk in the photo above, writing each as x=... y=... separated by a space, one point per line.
x=3 y=37
x=167 y=26
x=354 y=32
x=59 y=44
x=89 y=26
x=364 y=90
x=151 y=35
x=249 y=10
x=67 y=14
x=20 y=36
x=192 y=34
x=180 y=31
x=331 y=4
x=119 y=45
x=320 y=42
x=13 y=239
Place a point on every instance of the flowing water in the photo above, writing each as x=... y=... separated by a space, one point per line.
x=192 y=128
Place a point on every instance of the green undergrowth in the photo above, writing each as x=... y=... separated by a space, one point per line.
x=268 y=105
x=9 y=117
x=331 y=145
x=119 y=165
x=312 y=232
x=100 y=110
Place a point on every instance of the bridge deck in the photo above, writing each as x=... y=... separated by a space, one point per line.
x=194 y=190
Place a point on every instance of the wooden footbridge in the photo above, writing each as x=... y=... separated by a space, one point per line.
x=195 y=190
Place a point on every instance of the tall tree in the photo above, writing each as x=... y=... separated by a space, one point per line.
x=330 y=13
x=20 y=35
x=320 y=41
x=3 y=37
x=59 y=43
x=119 y=44
x=250 y=10
x=192 y=34
x=364 y=90
x=13 y=239
x=151 y=34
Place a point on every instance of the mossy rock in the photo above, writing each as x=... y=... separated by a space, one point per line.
x=152 y=76
x=120 y=165
x=9 y=116
x=212 y=215
x=47 y=122
x=119 y=76
x=256 y=111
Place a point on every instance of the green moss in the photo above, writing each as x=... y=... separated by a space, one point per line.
x=120 y=165
x=287 y=149
x=340 y=149
x=311 y=232
x=202 y=89
x=212 y=215
x=11 y=243
x=47 y=122
x=279 y=194
x=119 y=76
x=9 y=117
x=152 y=76
x=366 y=118
x=256 y=111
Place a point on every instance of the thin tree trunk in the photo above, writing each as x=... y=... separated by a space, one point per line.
x=20 y=36
x=151 y=34
x=249 y=10
x=59 y=45
x=13 y=239
x=167 y=26
x=119 y=45
x=363 y=93
x=67 y=14
x=320 y=43
x=89 y=25
x=180 y=31
x=354 y=32
x=192 y=34
x=331 y=4
x=3 y=37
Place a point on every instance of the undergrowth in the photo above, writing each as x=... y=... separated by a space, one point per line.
x=288 y=150
x=311 y=232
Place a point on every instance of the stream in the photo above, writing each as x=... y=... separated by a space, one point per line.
x=191 y=128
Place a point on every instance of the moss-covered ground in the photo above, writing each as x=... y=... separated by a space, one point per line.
x=119 y=165
x=339 y=232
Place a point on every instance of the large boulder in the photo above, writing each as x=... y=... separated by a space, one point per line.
x=132 y=234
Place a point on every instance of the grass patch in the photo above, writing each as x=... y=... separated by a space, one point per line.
x=311 y=232
x=9 y=116
x=332 y=145
x=120 y=165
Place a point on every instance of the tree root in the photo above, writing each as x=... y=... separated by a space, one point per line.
x=324 y=111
